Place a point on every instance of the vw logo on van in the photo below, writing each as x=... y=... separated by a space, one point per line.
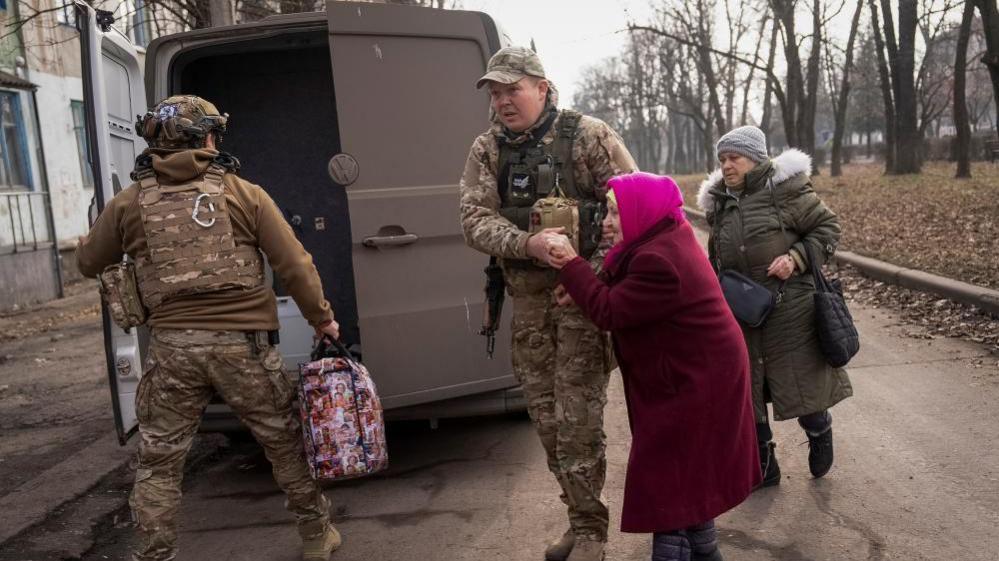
x=343 y=169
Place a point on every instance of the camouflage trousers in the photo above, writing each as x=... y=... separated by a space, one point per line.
x=559 y=360
x=184 y=369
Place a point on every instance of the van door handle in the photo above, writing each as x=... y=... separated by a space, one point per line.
x=390 y=241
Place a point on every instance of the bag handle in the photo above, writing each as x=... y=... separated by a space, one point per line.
x=821 y=282
x=325 y=343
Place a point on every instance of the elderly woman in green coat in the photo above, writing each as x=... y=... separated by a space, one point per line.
x=763 y=213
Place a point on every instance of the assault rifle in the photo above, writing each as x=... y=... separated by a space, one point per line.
x=495 y=293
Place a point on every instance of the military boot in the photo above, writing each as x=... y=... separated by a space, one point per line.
x=768 y=465
x=319 y=546
x=820 y=452
x=560 y=549
x=587 y=549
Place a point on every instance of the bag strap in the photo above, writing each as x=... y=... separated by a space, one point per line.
x=821 y=282
x=783 y=232
x=565 y=179
x=773 y=201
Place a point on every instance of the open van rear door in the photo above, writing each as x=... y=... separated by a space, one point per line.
x=113 y=95
x=408 y=111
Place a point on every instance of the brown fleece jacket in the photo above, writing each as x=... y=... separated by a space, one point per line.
x=256 y=221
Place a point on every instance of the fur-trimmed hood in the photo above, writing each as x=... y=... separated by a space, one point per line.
x=789 y=163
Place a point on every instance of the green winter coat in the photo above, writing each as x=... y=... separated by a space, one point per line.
x=788 y=368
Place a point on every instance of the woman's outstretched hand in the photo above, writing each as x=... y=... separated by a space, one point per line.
x=562 y=297
x=560 y=251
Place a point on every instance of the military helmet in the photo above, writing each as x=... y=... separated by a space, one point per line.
x=181 y=121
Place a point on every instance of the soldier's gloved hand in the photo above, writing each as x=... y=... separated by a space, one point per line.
x=331 y=330
x=537 y=245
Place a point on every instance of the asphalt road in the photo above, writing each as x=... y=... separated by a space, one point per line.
x=916 y=478
x=916 y=474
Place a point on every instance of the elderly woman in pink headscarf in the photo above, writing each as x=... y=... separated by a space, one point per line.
x=684 y=365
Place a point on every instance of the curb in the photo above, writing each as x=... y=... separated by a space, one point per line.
x=985 y=299
x=34 y=500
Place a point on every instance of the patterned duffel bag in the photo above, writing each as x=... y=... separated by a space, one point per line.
x=342 y=422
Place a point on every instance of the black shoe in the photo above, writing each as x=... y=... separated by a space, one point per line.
x=820 y=453
x=713 y=556
x=768 y=465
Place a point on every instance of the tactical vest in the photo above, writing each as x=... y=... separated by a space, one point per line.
x=190 y=247
x=533 y=170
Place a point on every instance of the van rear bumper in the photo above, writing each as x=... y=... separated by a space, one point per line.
x=219 y=417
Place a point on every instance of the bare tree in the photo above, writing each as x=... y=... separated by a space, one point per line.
x=990 y=22
x=843 y=95
x=963 y=141
x=866 y=114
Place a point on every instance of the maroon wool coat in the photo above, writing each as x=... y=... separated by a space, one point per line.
x=686 y=379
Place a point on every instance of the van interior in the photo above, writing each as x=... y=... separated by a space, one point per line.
x=285 y=150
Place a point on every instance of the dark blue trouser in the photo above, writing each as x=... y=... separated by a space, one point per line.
x=696 y=542
x=814 y=423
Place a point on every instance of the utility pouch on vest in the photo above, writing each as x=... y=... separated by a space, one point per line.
x=121 y=292
x=556 y=212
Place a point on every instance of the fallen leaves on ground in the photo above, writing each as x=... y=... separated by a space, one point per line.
x=930 y=222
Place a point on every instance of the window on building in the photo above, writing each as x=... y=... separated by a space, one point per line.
x=14 y=172
x=82 y=144
x=65 y=13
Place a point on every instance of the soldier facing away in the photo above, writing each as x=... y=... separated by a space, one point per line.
x=533 y=151
x=195 y=231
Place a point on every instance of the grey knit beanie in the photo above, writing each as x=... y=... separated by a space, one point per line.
x=748 y=141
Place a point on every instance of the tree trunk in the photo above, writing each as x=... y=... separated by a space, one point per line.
x=806 y=114
x=784 y=13
x=990 y=22
x=222 y=13
x=903 y=70
x=962 y=143
x=752 y=71
x=768 y=94
x=886 y=91
x=844 y=96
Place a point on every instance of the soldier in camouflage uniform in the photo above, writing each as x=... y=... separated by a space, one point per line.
x=195 y=231
x=558 y=355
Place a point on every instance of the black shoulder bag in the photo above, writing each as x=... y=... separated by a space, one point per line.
x=838 y=337
x=750 y=301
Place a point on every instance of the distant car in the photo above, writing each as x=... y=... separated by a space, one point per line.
x=357 y=121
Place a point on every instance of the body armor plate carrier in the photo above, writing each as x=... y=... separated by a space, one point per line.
x=190 y=245
x=532 y=172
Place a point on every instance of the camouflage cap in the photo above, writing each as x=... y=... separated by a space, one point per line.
x=180 y=121
x=510 y=64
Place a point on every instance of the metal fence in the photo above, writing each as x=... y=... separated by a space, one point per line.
x=30 y=226
x=27 y=230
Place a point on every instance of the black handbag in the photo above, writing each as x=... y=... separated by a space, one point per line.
x=838 y=337
x=750 y=301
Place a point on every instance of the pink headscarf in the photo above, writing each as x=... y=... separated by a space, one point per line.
x=643 y=200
